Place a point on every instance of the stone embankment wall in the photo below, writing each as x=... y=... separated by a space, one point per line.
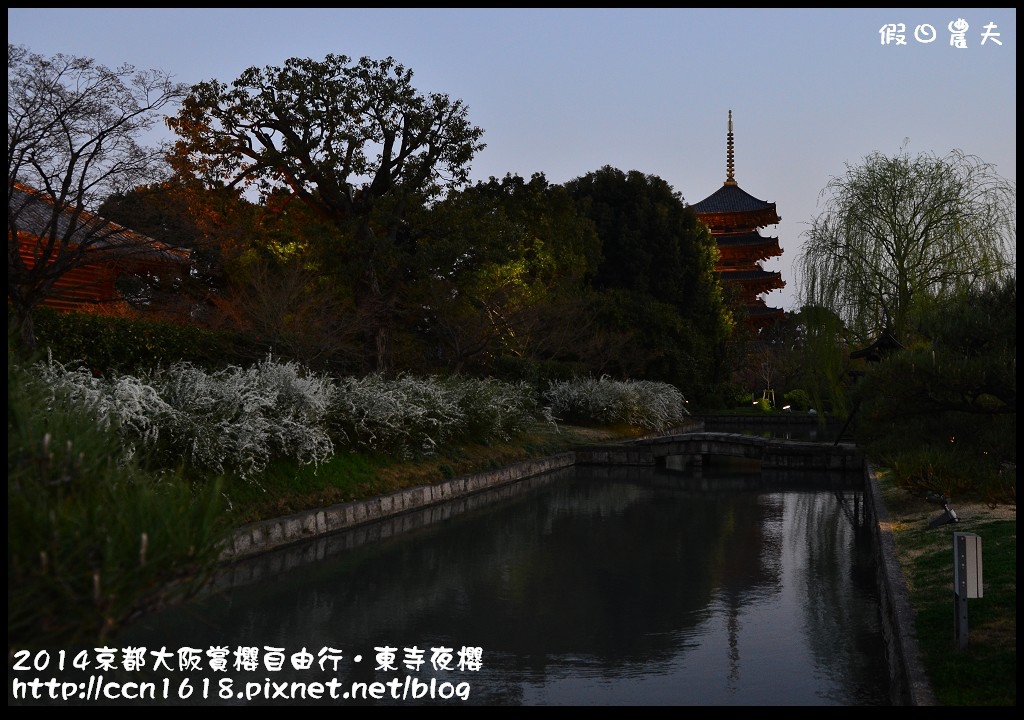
x=910 y=685
x=266 y=535
x=419 y=505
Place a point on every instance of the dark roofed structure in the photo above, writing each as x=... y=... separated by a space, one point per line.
x=87 y=253
x=884 y=344
x=731 y=199
x=35 y=214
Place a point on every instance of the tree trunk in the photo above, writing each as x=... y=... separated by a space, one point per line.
x=24 y=330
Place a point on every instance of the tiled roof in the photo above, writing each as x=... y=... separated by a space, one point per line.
x=749 y=274
x=731 y=199
x=762 y=310
x=33 y=213
x=753 y=239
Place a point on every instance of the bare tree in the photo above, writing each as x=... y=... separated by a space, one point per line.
x=901 y=233
x=73 y=130
x=294 y=312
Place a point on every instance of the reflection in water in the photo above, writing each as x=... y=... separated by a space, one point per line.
x=602 y=586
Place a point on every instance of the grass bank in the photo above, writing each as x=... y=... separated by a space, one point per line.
x=985 y=672
x=289 y=487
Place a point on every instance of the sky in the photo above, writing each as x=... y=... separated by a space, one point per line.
x=565 y=92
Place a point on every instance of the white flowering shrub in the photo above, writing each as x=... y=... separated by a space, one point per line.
x=412 y=416
x=237 y=420
x=603 y=401
x=240 y=419
x=407 y=416
x=492 y=409
x=233 y=420
x=124 y=403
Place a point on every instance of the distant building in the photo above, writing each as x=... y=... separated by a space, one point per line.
x=735 y=218
x=84 y=254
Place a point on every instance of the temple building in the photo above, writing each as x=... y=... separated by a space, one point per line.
x=735 y=218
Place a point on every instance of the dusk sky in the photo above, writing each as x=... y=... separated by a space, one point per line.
x=565 y=92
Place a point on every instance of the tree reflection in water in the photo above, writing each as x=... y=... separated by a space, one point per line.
x=605 y=586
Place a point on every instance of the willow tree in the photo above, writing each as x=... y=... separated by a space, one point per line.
x=899 y=234
x=352 y=140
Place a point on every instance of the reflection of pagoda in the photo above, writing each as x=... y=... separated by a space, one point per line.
x=734 y=218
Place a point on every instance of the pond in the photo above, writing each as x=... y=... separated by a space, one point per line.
x=588 y=586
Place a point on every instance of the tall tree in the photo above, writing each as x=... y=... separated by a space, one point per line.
x=353 y=140
x=900 y=233
x=953 y=392
x=500 y=271
x=657 y=273
x=73 y=137
x=256 y=268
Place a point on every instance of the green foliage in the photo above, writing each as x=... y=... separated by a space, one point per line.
x=798 y=400
x=943 y=413
x=935 y=469
x=93 y=540
x=651 y=242
x=658 y=294
x=758 y=406
x=105 y=343
x=498 y=269
x=826 y=359
x=537 y=373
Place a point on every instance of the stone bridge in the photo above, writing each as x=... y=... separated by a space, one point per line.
x=694 y=448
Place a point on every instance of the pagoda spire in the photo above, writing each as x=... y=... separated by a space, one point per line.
x=729 y=165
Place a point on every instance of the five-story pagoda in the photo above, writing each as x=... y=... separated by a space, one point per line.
x=735 y=218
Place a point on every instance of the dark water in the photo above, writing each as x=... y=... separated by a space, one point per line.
x=594 y=586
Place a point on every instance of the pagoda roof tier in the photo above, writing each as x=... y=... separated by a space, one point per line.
x=752 y=282
x=760 y=309
x=747 y=247
x=761 y=316
x=731 y=200
x=746 y=275
x=745 y=239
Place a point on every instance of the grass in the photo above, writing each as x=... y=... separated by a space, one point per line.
x=288 y=487
x=985 y=672
x=93 y=543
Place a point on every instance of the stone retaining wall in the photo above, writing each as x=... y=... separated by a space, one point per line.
x=269 y=535
x=910 y=686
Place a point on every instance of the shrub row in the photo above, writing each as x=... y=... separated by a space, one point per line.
x=107 y=343
x=236 y=420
